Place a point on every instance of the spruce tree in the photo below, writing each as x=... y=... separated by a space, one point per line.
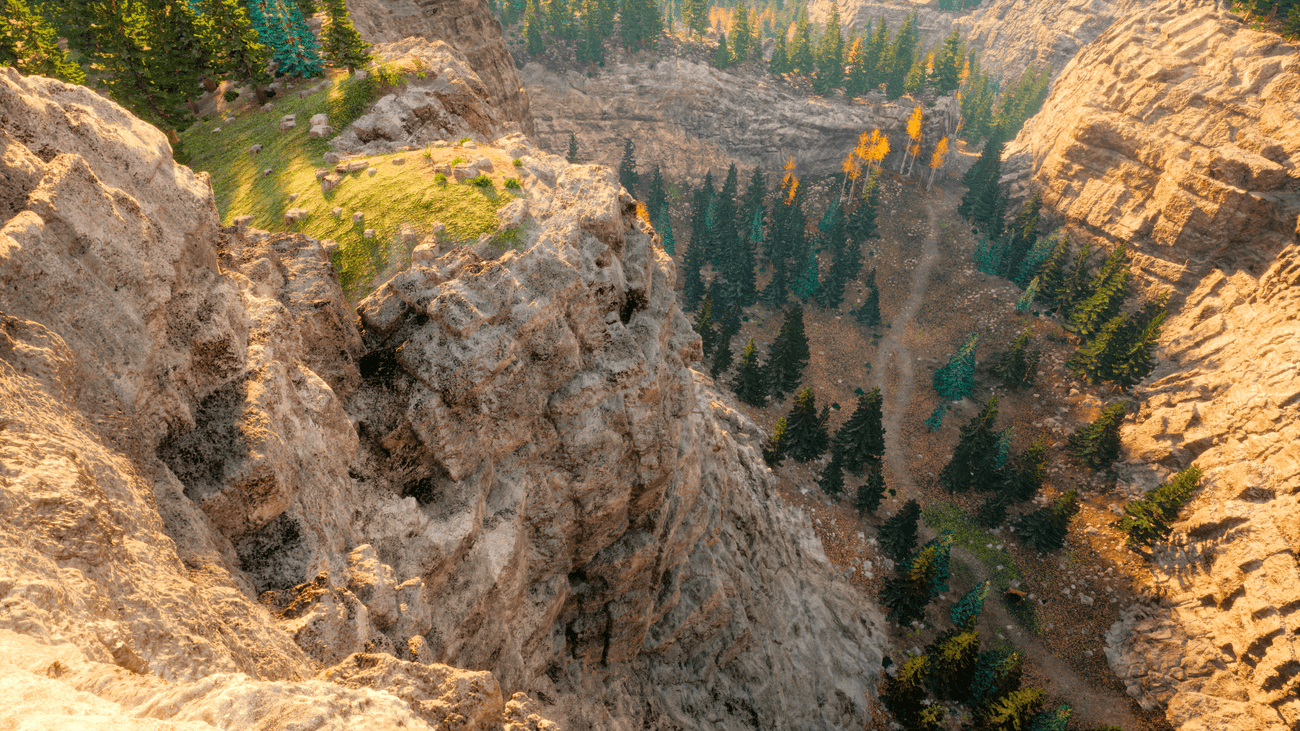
x=974 y=460
x=904 y=693
x=1097 y=444
x=29 y=44
x=1136 y=361
x=695 y=14
x=1024 y=236
x=1018 y=365
x=917 y=75
x=722 y=357
x=657 y=197
x=801 y=52
x=1106 y=294
x=869 y=313
x=692 y=280
x=902 y=57
x=855 y=80
x=955 y=379
x=997 y=673
x=953 y=657
x=343 y=45
x=861 y=440
x=862 y=221
x=934 y=422
x=907 y=593
x=1011 y=712
x=948 y=63
x=1021 y=481
x=788 y=355
x=805 y=437
x=831 y=480
x=897 y=535
x=1026 y=300
x=723 y=232
x=559 y=16
x=830 y=55
x=234 y=45
x=640 y=23
x=591 y=50
x=665 y=228
x=751 y=206
x=780 y=61
x=750 y=385
x=876 y=57
x=704 y=326
x=1150 y=519
x=722 y=54
x=981 y=176
x=1073 y=287
x=533 y=23
x=965 y=612
x=572 y=156
x=1045 y=529
x=872 y=492
x=740 y=33
x=774 y=453
x=627 y=176
x=807 y=284
x=1053 y=719
x=292 y=43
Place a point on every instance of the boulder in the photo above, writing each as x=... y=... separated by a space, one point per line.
x=321 y=131
x=254 y=149
x=286 y=126
x=358 y=217
x=294 y=215
x=318 y=120
x=328 y=183
x=368 y=233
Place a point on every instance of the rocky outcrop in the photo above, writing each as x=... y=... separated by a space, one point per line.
x=221 y=494
x=1010 y=35
x=690 y=118
x=468 y=26
x=1176 y=129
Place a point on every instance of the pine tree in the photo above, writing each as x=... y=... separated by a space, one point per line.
x=780 y=61
x=1026 y=300
x=592 y=50
x=1012 y=711
x=1054 y=719
x=775 y=451
x=897 y=535
x=1018 y=364
x=974 y=459
x=801 y=52
x=722 y=54
x=665 y=228
x=723 y=231
x=996 y=675
x=1074 y=285
x=657 y=198
x=627 y=176
x=343 y=45
x=907 y=593
x=292 y=43
x=862 y=221
x=807 y=284
x=917 y=76
x=704 y=325
x=869 y=313
x=692 y=280
x=722 y=358
x=902 y=57
x=953 y=657
x=861 y=440
x=805 y=437
x=1150 y=519
x=904 y=694
x=876 y=58
x=846 y=259
x=740 y=33
x=789 y=354
x=872 y=492
x=855 y=81
x=985 y=173
x=536 y=46
x=559 y=16
x=948 y=63
x=955 y=379
x=830 y=55
x=1097 y=444
x=29 y=44
x=966 y=611
x=935 y=421
x=1046 y=528
x=750 y=385
x=831 y=480
x=695 y=14
x=640 y=23
x=234 y=46
x=1034 y=261
x=1021 y=481
x=1024 y=235
x=1136 y=361
x=1107 y=292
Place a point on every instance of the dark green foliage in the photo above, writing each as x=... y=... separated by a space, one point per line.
x=831 y=480
x=990 y=254
x=533 y=23
x=722 y=55
x=869 y=313
x=657 y=198
x=1035 y=260
x=876 y=58
x=29 y=44
x=704 y=326
x=903 y=692
x=965 y=612
x=903 y=57
x=1023 y=236
x=1073 y=285
x=640 y=23
x=775 y=450
x=935 y=421
x=898 y=534
x=786 y=241
x=805 y=435
x=846 y=258
x=692 y=281
x=1106 y=294
x=872 y=492
x=979 y=179
x=1097 y=444
x=559 y=18
x=907 y=593
x=1018 y=365
x=977 y=98
x=948 y=64
x=722 y=358
x=1026 y=300
x=830 y=55
x=788 y=355
x=591 y=50
x=572 y=155
x=627 y=176
x=801 y=51
x=234 y=47
x=1149 y=519
x=741 y=34
x=974 y=460
x=665 y=228
x=695 y=14
x=862 y=221
x=1046 y=528
x=996 y=674
x=955 y=380
x=1022 y=100
x=953 y=657
x=1054 y=719
x=861 y=440
x=807 y=284
x=1020 y=481
x=343 y=46
x=751 y=207
x=780 y=61
x=1121 y=351
x=750 y=385
x=1011 y=712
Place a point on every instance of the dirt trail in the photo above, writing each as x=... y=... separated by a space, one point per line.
x=1092 y=705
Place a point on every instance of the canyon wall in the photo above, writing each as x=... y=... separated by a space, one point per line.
x=466 y=25
x=1178 y=131
x=224 y=490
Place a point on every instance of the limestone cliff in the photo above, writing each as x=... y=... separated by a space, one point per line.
x=1178 y=130
x=224 y=491
x=690 y=118
x=466 y=25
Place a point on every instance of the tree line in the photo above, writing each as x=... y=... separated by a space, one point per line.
x=157 y=57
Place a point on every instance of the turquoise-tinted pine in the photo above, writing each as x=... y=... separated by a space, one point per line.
x=29 y=44
x=966 y=611
x=1026 y=300
x=1037 y=256
x=955 y=380
x=935 y=421
x=665 y=228
x=807 y=285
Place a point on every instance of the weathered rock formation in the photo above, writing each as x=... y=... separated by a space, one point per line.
x=468 y=26
x=226 y=504
x=690 y=118
x=1178 y=130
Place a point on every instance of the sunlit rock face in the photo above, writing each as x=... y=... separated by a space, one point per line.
x=1178 y=131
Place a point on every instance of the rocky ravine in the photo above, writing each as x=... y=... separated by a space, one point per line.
x=691 y=118
x=1178 y=131
x=230 y=504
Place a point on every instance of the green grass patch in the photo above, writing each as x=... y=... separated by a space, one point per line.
x=393 y=196
x=983 y=545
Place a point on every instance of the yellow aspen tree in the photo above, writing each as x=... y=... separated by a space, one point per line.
x=913 y=134
x=914 y=149
x=850 y=168
x=936 y=160
x=879 y=150
x=790 y=182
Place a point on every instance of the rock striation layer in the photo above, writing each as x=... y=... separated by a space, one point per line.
x=469 y=26
x=228 y=498
x=691 y=118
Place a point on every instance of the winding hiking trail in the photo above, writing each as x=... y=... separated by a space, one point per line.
x=1092 y=705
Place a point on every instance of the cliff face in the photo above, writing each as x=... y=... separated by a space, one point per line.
x=1178 y=131
x=223 y=490
x=466 y=25
x=690 y=118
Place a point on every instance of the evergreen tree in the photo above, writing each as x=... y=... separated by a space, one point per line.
x=775 y=451
x=805 y=436
x=640 y=23
x=855 y=81
x=572 y=156
x=1106 y=295
x=904 y=694
x=627 y=176
x=536 y=46
x=966 y=611
x=897 y=535
x=974 y=460
x=801 y=52
x=740 y=33
x=1018 y=364
x=292 y=43
x=1026 y=300
x=692 y=280
x=722 y=55
x=1046 y=528
x=657 y=198
x=750 y=385
x=996 y=674
x=977 y=97
x=1150 y=519
x=1024 y=235
x=953 y=657
x=869 y=313
x=948 y=63
x=955 y=380
x=789 y=354
x=722 y=232
x=592 y=50
x=1054 y=719
x=29 y=44
x=752 y=203
x=695 y=14
x=780 y=61
x=1011 y=712
x=1034 y=261
x=862 y=221
x=935 y=421
x=985 y=173
x=1021 y=481
x=559 y=16
x=807 y=284
x=343 y=45
x=830 y=55
x=917 y=76
x=902 y=57
x=876 y=58
x=831 y=480
x=907 y=593
x=722 y=358
x=861 y=440
x=605 y=10
x=704 y=325
x=846 y=259
x=1136 y=361
x=741 y=264
x=872 y=492
x=665 y=228
x=1074 y=286
x=1097 y=444
x=233 y=45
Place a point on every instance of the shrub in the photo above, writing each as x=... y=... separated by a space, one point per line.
x=440 y=179
x=517 y=162
x=457 y=160
x=513 y=184
x=230 y=96
x=481 y=180
x=462 y=141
